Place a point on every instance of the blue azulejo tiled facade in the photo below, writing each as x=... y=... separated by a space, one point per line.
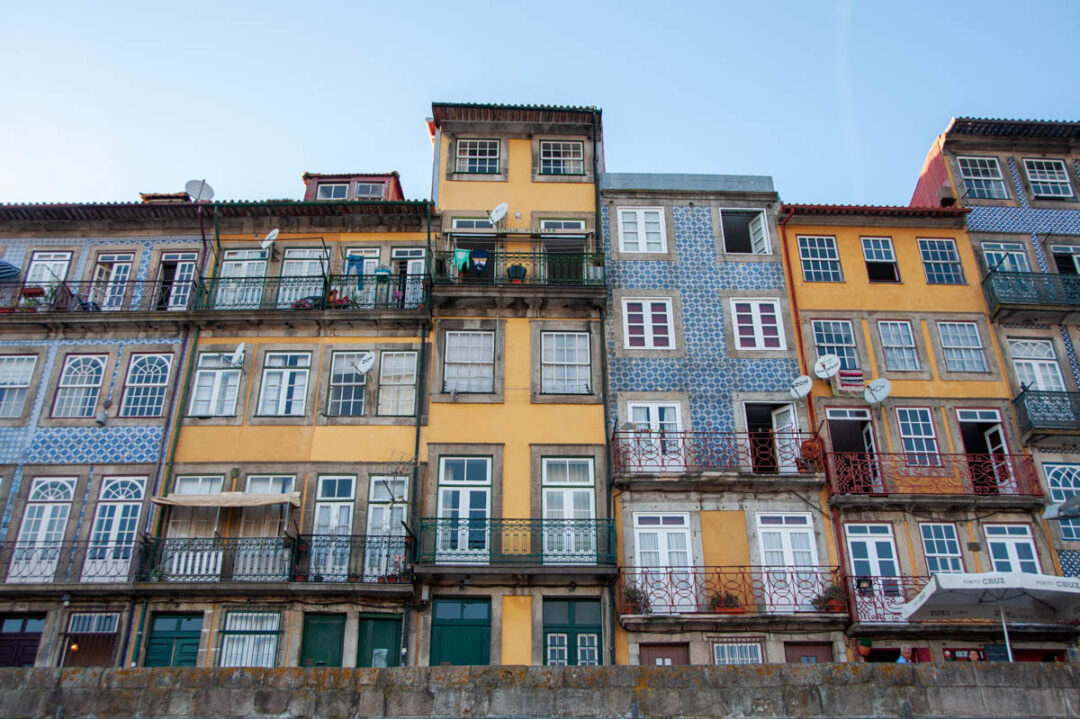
x=698 y=272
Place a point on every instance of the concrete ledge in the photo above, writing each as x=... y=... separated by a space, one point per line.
x=958 y=690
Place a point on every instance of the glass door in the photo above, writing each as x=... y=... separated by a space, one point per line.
x=792 y=580
x=331 y=541
x=384 y=553
x=657 y=443
x=112 y=537
x=110 y=283
x=41 y=534
x=303 y=277
x=240 y=284
x=666 y=580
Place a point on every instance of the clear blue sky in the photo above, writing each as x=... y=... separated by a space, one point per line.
x=838 y=101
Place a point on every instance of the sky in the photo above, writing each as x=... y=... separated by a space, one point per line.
x=838 y=101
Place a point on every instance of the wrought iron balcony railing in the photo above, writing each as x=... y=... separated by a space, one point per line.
x=1054 y=412
x=344 y=558
x=526 y=542
x=731 y=590
x=335 y=292
x=97 y=296
x=560 y=269
x=763 y=452
x=44 y=562
x=1031 y=289
x=214 y=559
x=880 y=599
x=945 y=474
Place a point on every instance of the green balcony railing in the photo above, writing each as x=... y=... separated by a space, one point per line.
x=522 y=542
x=333 y=292
x=558 y=269
x=1031 y=289
x=1054 y=412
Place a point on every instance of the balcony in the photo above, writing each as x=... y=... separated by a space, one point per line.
x=877 y=600
x=1047 y=414
x=215 y=559
x=336 y=292
x=1006 y=476
x=371 y=559
x=98 y=296
x=730 y=594
x=68 y=562
x=544 y=269
x=1030 y=296
x=549 y=546
x=642 y=454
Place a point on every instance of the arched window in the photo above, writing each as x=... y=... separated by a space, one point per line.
x=144 y=391
x=80 y=384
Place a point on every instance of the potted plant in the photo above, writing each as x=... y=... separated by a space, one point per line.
x=831 y=599
x=635 y=601
x=727 y=603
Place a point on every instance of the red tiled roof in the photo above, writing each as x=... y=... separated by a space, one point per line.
x=75 y=212
x=875 y=210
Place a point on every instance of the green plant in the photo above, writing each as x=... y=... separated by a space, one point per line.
x=635 y=600
x=830 y=597
x=728 y=600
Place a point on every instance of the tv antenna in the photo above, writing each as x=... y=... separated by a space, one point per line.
x=498 y=213
x=268 y=241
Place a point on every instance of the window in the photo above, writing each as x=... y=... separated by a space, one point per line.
x=387 y=510
x=37 y=550
x=820 y=260
x=1005 y=257
x=397 y=384
x=1036 y=365
x=464 y=506
x=469 y=364
x=47 y=269
x=284 y=384
x=744 y=232
x=565 y=366
x=332 y=191
x=737 y=652
x=249 y=639
x=347 y=385
x=478 y=156
x=642 y=230
x=982 y=178
x=241 y=281
x=647 y=324
x=80 y=383
x=757 y=324
x=898 y=345
x=562 y=158
x=571 y=225
x=1012 y=548
x=369 y=190
x=144 y=389
x=1064 y=483
x=941 y=548
x=917 y=436
x=962 y=346
x=941 y=262
x=216 y=383
x=194 y=522
x=90 y=640
x=880 y=259
x=572 y=632
x=836 y=337
x=1066 y=259
x=16 y=371
x=110 y=283
x=1048 y=178
x=569 y=508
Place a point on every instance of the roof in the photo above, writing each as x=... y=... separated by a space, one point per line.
x=187 y=210
x=1038 y=129
x=323 y=175
x=681 y=182
x=874 y=210
x=483 y=112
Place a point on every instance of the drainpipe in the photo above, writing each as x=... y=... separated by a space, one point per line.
x=414 y=509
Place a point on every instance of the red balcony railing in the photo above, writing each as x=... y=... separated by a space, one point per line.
x=918 y=473
x=880 y=599
x=764 y=452
x=731 y=590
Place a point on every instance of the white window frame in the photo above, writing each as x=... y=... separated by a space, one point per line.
x=476 y=370
x=332 y=189
x=648 y=333
x=348 y=372
x=1050 y=181
x=1009 y=537
x=758 y=335
x=83 y=395
x=919 y=448
x=572 y=544
x=1044 y=370
x=44 y=269
x=952 y=559
x=846 y=349
x=640 y=218
x=572 y=164
x=1005 y=257
x=468 y=150
x=760 y=244
x=964 y=354
x=291 y=374
x=941 y=244
x=820 y=258
x=239 y=645
x=16 y=374
x=906 y=351
x=738 y=652
x=982 y=178
x=219 y=381
x=146 y=398
x=880 y=251
x=379 y=187
x=571 y=368
x=1063 y=481
x=397 y=384
x=456 y=542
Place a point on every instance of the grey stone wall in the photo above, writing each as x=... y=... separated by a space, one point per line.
x=793 y=690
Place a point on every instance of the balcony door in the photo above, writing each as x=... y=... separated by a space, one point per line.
x=410 y=266
x=657 y=444
x=388 y=507
x=331 y=540
x=303 y=275
x=191 y=551
x=116 y=525
x=875 y=571
x=262 y=555
x=773 y=437
x=240 y=283
x=789 y=553
x=854 y=460
x=665 y=575
x=111 y=275
x=176 y=279
x=564 y=260
x=41 y=534
x=1036 y=365
x=987 y=452
x=569 y=510
x=464 y=535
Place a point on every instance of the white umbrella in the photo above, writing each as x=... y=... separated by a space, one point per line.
x=1012 y=596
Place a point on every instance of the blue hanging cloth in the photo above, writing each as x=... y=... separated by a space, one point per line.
x=355 y=262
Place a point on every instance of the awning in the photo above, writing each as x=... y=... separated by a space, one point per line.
x=8 y=271
x=227 y=499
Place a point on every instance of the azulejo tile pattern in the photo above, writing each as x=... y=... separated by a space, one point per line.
x=1070 y=562
x=1018 y=187
x=707 y=374
x=1024 y=220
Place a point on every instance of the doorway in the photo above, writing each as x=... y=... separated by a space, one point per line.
x=460 y=632
x=986 y=451
x=664 y=655
x=854 y=460
x=379 y=641
x=808 y=652
x=19 y=639
x=773 y=437
x=324 y=638
x=174 y=640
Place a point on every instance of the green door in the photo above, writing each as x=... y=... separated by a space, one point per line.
x=461 y=632
x=379 y=641
x=324 y=636
x=174 y=640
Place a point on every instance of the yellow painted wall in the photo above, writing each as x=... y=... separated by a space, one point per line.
x=516 y=630
x=724 y=538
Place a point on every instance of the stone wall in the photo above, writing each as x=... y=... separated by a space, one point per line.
x=794 y=690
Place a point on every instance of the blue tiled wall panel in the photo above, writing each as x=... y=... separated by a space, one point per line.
x=1024 y=220
x=1070 y=563
x=16 y=251
x=707 y=373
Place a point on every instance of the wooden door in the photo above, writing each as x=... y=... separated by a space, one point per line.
x=324 y=638
x=808 y=652
x=664 y=655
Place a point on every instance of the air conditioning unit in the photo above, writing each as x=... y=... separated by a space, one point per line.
x=848 y=381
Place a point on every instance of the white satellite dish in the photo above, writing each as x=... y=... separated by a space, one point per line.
x=1069 y=509
x=268 y=241
x=877 y=391
x=199 y=191
x=365 y=363
x=800 y=386
x=498 y=213
x=237 y=357
x=827 y=366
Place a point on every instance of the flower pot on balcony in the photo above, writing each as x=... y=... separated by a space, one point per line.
x=301 y=577
x=354 y=578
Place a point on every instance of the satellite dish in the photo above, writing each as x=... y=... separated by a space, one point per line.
x=827 y=366
x=1069 y=509
x=199 y=191
x=237 y=357
x=268 y=241
x=800 y=386
x=877 y=391
x=365 y=363
x=498 y=213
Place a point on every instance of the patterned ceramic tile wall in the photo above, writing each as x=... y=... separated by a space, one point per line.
x=709 y=376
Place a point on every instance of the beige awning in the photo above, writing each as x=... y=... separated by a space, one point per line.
x=227 y=499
